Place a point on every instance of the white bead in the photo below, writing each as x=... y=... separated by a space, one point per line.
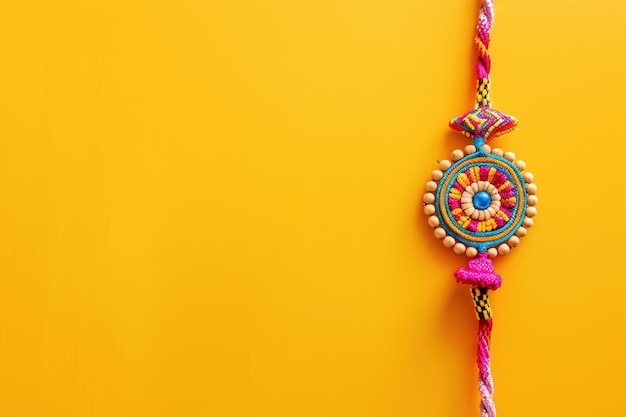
x=459 y=248
x=431 y=186
x=470 y=149
x=529 y=177
x=513 y=241
x=457 y=154
x=504 y=249
x=444 y=164
x=433 y=221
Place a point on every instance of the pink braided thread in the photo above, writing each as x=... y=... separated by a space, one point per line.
x=480 y=274
x=485 y=382
x=485 y=21
x=483 y=65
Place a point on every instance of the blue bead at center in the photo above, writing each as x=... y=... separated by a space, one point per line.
x=481 y=200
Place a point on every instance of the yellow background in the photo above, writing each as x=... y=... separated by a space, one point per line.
x=213 y=208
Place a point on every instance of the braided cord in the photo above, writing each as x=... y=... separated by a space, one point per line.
x=482 y=277
x=480 y=296
x=485 y=381
x=480 y=273
x=483 y=64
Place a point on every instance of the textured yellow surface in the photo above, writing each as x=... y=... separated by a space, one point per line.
x=212 y=208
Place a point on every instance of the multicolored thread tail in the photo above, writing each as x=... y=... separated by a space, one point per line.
x=485 y=381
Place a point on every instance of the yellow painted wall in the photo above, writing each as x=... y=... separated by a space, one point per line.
x=212 y=208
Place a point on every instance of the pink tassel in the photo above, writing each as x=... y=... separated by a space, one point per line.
x=479 y=274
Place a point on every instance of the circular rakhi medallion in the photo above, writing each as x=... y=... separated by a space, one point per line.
x=483 y=201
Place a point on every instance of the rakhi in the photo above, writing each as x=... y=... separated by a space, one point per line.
x=481 y=202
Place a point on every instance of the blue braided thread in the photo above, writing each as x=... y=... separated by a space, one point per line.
x=482 y=246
